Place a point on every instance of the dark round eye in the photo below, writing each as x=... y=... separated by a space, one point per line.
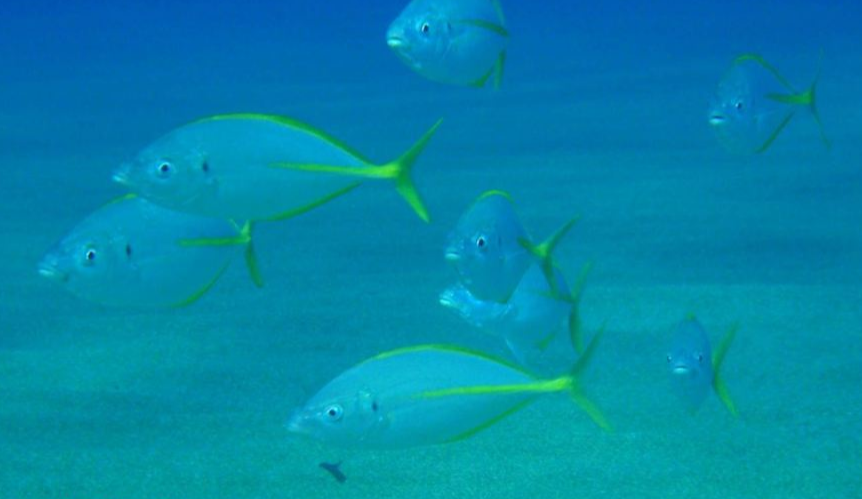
x=738 y=105
x=669 y=358
x=205 y=167
x=129 y=250
x=481 y=242
x=334 y=412
x=89 y=256
x=425 y=28
x=374 y=406
x=164 y=169
x=700 y=357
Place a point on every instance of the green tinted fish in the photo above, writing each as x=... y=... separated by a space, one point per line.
x=133 y=253
x=429 y=394
x=491 y=250
x=754 y=103
x=459 y=42
x=258 y=167
x=695 y=368
x=541 y=331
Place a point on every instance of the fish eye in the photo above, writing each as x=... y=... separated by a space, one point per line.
x=334 y=412
x=425 y=28
x=669 y=358
x=481 y=242
x=738 y=105
x=89 y=256
x=205 y=167
x=164 y=169
x=700 y=358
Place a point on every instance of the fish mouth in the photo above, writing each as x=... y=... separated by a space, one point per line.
x=395 y=42
x=681 y=370
x=452 y=256
x=717 y=119
x=49 y=269
x=295 y=424
x=122 y=176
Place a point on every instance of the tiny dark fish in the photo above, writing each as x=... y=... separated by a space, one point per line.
x=334 y=470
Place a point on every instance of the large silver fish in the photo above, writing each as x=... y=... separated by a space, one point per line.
x=429 y=394
x=258 y=167
x=133 y=253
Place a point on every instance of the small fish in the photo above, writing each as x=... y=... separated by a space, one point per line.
x=335 y=471
x=695 y=369
x=531 y=323
x=428 y=394
x=258 y=167
x=458 y=42
x=754 y=103
x=133 y=253
x=491 y=250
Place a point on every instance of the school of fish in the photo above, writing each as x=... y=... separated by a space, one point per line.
x=196 y=193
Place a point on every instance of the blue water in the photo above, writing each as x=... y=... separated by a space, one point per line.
x=602 y=113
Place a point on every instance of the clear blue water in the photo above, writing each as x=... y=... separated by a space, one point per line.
x=602 y=113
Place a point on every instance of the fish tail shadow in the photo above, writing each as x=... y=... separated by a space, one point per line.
x=717 y=360
x=400 y=170
x=575 y=390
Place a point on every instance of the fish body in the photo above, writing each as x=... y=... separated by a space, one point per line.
x=459 y=42
x=486 y=249
x=255 y=167
x=424 y=395
x=533 y=323
x=131 y=253
x=753 y=104
x=694 y=367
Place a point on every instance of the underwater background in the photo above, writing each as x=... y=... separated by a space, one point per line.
x=602 y=113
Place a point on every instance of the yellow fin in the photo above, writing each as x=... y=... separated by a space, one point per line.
x=316 y=204
x=499 y=9
x=717 y=361
x=775 y=134
x=495 y=192
x=198 y=294
x=487 y=25
x=289 y=123
x=484 y=78
x=544 y=252
x=491 y=422
x=498 y=69
x=399 y=171
x=574 y=385
x=439 y=347
x=250 y=256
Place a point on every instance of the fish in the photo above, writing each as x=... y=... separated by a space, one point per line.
x=532 y=323
x=428 y=395
x=334 y=469
x=258 y=167
x=754 y=103
x=695 y=369
x=457 y=42
x=491 y=250
x=132 y=253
